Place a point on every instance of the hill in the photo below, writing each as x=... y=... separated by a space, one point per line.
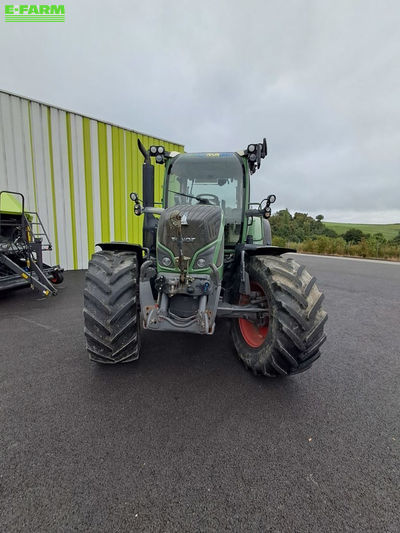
x=389 y=231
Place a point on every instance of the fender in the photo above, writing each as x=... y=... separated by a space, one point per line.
x=250 y=250
x=141 y=252
x=267 y=232
x=253 y=249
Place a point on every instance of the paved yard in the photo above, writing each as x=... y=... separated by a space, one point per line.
x=186 y=439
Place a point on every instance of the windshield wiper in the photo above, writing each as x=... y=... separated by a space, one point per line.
x=200 y=200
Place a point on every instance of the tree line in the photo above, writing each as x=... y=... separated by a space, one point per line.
x=310 y=234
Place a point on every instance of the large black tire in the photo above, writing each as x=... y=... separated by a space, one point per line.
x=110 y=307
x=294 y=331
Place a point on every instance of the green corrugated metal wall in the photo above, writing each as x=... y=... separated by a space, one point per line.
x=77 y=172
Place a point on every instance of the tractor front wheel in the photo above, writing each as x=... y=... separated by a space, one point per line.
x=110 y=307
x=286 y=340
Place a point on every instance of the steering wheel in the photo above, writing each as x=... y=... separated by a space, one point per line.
x=213 y=197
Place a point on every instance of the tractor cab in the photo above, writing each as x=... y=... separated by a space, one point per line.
x=216 y=179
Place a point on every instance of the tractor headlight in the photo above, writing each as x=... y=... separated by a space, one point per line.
x=251 y=148
x=160 y=149
x=164 y=258
x=153 y=150
x=204 y=259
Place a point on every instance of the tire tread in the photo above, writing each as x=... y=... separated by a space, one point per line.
x=110 y=307
x=297 y=319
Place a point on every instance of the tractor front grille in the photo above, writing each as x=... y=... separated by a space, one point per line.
x=201 y=225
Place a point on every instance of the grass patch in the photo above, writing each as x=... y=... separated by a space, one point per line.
x=389 y=231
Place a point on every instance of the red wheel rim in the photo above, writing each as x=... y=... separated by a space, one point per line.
x=252 y=334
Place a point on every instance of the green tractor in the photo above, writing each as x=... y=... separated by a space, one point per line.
x=206 y=254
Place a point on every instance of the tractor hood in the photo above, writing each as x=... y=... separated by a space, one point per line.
x=194 y=226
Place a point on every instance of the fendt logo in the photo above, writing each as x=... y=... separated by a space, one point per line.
x=34 y=13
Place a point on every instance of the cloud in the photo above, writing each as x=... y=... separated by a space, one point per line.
x=319 y=80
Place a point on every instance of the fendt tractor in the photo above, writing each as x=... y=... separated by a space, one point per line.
x=206 y=255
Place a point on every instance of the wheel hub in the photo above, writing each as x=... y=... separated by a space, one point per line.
x=254 y=334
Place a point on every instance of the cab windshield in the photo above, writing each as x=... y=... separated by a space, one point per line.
x=214 y=178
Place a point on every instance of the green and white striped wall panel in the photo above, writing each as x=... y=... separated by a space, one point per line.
x=77 y=172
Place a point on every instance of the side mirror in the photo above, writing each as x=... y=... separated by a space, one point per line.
x=264 y=150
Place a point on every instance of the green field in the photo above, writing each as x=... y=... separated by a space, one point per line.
x=389 y=231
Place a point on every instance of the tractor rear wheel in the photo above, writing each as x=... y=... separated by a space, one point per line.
x=288 y=340
x=110 y=307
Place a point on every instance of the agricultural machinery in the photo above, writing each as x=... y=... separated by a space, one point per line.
x=206 y=255
x=23 y=239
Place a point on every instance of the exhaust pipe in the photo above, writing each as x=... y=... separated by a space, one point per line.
x=150 y=222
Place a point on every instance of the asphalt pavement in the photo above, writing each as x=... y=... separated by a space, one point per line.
x=186 y=439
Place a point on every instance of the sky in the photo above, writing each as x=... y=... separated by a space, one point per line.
x=319 y=79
